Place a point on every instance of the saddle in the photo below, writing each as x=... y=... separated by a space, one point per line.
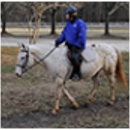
x=87 y=55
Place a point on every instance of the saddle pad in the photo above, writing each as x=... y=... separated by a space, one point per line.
x=88 y=54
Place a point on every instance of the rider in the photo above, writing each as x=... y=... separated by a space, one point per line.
x=74 y=34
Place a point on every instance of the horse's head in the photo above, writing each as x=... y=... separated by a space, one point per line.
x=24 y=60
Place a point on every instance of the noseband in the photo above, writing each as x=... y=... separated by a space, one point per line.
x=26 y=60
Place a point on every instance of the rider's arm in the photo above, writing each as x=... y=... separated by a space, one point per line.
x=62 y=36
x=82 y=35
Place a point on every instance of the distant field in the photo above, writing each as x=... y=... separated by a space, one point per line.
x=35 y=94
x=92 y=32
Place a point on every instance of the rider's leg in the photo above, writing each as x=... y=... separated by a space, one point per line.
x=76 y=61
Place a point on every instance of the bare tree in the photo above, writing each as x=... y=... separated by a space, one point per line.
x=5 y=6
x=34 y=12
x=39 y=8
x=56 y=7
x=53 y=12
x=110 y=9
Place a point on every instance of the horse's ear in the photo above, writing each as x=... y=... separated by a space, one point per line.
x=19 y=45
x=22 y=45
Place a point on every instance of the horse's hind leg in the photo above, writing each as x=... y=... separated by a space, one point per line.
x=70 y=97
x=93 y=91
x=112 y=89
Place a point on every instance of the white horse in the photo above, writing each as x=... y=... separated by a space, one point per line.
x=107 y=58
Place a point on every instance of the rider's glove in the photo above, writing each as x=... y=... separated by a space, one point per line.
x=57 y=44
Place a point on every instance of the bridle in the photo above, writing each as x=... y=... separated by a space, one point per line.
x=26 y=60
x=24 y=69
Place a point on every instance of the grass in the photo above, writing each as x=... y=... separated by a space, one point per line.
x=8 y=59
x=36 y=91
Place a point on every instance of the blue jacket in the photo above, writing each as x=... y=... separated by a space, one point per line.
x=74 y=34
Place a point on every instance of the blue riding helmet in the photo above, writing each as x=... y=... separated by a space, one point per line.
x=70 y=9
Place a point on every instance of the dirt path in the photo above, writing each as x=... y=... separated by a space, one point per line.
x=121 y=44
x=95 y=116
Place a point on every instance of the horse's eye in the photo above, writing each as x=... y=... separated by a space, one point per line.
x=22 y=58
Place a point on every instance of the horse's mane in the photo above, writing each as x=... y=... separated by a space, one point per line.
x=45 y=48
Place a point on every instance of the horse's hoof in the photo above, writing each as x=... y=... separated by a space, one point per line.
x=85 y=105
x=54 y=112
x=88 y=102
x=76 y=105
x=110 y=103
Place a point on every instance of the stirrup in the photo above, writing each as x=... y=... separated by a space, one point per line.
x=76 y=78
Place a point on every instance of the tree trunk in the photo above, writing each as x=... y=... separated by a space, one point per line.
x=107 y=26
x=30 y=33
x=53 y=19
x=3 y=17
x=107 y=18
x=36 y=29
x=3 y=26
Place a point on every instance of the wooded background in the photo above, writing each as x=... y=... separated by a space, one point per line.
x=37 y=13
x=89 y=11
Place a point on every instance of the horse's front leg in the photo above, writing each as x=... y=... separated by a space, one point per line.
x=59 y=86
x=70 y=97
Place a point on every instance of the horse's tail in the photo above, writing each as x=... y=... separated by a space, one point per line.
x=119 y=70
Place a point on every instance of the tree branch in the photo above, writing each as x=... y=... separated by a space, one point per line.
x=115 y=8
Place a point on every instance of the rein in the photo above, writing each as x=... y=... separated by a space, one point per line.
x=37 y=62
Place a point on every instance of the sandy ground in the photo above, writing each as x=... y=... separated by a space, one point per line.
x=121 y=44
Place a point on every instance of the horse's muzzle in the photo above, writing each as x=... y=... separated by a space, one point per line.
x=18 y=75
